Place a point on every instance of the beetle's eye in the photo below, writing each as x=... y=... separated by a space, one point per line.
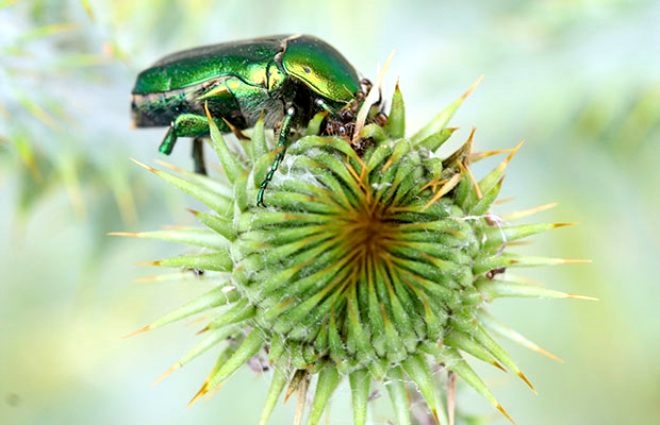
x=307 y=70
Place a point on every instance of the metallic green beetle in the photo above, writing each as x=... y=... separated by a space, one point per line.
x=286 y=79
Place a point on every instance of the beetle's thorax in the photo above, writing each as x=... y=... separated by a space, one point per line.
x=275 y=77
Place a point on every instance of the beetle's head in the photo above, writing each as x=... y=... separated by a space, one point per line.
x=320 y=67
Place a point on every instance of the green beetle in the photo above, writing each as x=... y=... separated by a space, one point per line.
x=286 y=79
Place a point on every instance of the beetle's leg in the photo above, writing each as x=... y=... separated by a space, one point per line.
x=198 y=155
x=169 y=141
x=190 y=125
x=184 y=125
x=281 y=145
x=321 y=104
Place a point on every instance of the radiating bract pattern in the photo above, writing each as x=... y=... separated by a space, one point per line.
x=376 y=267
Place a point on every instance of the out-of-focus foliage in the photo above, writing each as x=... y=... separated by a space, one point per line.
x=578 y=80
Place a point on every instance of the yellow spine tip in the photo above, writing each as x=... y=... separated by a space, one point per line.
x=147 y=279
x=167 y=373
x=142 y=330
x=531 y=211
x=203 y=330
x=477 y=156
x=510 y=156
x=124 y=234
x=505 y=413
x=548 y=354
x=170 y=166
x=200 y=393
x=145 y=166
x=470 y=89
x=498 y=365
x=581 y=297
x=527 y=381
x=574 y=261
x=206 y=111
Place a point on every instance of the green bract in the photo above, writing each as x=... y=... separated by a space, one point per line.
x=372 y=267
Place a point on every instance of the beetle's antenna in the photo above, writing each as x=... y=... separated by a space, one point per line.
x=371 y=99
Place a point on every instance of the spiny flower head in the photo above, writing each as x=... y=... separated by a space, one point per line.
x=372 y=265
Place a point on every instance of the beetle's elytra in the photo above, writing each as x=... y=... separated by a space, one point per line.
x=286 y=79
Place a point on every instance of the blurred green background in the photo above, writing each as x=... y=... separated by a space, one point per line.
x=578 y=80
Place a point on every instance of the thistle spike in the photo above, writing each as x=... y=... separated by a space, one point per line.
x=502 y=288
x=193 y=177
x=500 y=329
x=440 y=121
x=252 y=343
x=418 y=371
x=501 y=355
x=396 y=121
x=213 y=298
x=327 y=383
x=217 y=261
x=461 y=368
x=279 y=380
x=239 y=312
x=220 y=225
x=187 y=236
x=204 y=345
x=399 y=396
x=467 y=344
x=213 y=200
x=258 y=143
x=224 y=356
x=495 y=176
x=230 y=163
x=360 y=381
x=529 y=212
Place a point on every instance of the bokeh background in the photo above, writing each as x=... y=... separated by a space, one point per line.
x=578 y=80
